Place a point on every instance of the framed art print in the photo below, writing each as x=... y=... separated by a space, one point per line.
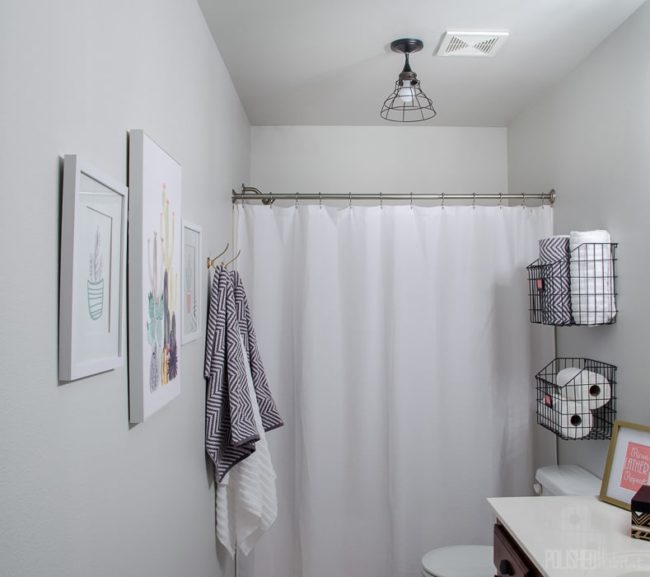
x=628 y=464
x=191 y=300
x=93 y=271
x=154 y=277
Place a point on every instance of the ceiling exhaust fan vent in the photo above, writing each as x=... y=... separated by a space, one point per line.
x=471 y=43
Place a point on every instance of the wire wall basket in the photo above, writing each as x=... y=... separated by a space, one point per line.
x=576 y=398
x=575 y=287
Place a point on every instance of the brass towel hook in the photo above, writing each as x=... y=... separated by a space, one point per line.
x=211 y=261
x=224 y=265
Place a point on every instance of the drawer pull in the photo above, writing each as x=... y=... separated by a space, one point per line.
x=506 y=569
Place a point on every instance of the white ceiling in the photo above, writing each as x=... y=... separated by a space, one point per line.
x=328 y=62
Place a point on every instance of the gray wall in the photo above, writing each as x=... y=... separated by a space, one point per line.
x=589 y=138
x=82 y=493
x=373 y=159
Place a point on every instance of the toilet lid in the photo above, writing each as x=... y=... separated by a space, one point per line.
x=567 y=480
x=461 y=561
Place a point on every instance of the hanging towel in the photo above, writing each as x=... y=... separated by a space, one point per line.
x=556 y=299
x=230 y=431
x=246 y=497
x=592 y=278
x=268 y=411
x=239 y=409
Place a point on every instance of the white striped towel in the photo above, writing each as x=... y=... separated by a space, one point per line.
x=246 y=496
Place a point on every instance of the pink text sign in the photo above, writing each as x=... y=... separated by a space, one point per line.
x=636 y=468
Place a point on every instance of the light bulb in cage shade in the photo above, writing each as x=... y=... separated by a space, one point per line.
x=407 y=102
x=405 y=92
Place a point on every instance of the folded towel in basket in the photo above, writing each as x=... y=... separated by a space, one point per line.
x=556 y=299
x=592 y=277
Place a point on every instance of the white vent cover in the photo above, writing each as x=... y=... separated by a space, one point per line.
x=471 y=43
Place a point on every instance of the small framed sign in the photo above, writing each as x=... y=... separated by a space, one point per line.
x=628 y=464
x=192 y=280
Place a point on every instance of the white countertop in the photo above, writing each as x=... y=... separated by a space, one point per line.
x=574 y=536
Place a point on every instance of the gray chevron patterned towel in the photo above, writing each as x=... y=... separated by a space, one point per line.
x=268 y=411
x=230 y=431
x=556 y=301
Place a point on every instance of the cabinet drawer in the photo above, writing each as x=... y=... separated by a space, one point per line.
x=508 y=559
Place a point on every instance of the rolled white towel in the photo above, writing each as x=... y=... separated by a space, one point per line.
x=592 y=277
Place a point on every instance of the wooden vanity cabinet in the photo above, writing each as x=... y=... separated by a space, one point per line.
x=509 y=559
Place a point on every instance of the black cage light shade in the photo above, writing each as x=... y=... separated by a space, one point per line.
x=407 y=102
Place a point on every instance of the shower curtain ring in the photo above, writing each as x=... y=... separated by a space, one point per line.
x=320 y=200
x=501 y=200
x=411 y=201
x=442 y=200
x=296 y=200
x=523 y=200
x=381 y=201
x=473 y=200
x=349 y=200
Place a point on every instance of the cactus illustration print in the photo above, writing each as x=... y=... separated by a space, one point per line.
x=154 y=365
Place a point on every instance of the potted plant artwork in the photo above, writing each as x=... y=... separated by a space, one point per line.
x=154 y=264
x=96 y=281
x=161 y=301
x=155 y=315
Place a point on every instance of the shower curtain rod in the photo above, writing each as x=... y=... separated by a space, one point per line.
x=251 y=193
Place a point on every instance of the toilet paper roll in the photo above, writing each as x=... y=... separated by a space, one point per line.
x=571 y=419
x=586 y=386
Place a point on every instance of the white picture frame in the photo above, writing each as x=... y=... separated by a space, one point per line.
x=155 y=227
x=92 y=286
x=191 y=308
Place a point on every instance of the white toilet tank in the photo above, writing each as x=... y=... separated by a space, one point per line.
x=565 y=480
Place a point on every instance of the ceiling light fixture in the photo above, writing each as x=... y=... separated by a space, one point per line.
x=407 y=103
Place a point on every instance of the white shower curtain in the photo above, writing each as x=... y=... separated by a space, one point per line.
x=398 y=347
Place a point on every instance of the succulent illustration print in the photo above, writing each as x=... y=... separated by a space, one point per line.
x=95 y=284
x=162 y=296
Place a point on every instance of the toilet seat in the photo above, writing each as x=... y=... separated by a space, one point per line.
x=460 y=561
